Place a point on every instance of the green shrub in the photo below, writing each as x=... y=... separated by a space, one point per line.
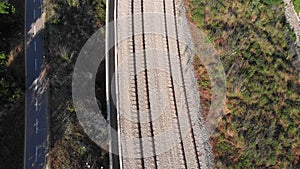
x=296 y=5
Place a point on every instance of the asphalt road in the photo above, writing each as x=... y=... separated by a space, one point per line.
x=36 y=124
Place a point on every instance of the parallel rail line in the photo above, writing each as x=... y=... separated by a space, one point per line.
x=171 y=79
x=147 y=83
x=183 y=84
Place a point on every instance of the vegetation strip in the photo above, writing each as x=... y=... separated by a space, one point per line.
x=255 y=43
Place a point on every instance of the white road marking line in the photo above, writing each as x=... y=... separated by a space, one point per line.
x=36 y=153
x=35 y=64
x=36 y=104
x=34 y=30
x=36 y=126
x=34 y=14
x=34 y=45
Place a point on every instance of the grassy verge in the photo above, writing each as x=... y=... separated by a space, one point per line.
x=255 y=43
x=69 y=25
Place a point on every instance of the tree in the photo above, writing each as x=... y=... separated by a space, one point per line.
x=6 y=8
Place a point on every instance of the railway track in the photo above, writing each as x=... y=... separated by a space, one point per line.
x=159 y=119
